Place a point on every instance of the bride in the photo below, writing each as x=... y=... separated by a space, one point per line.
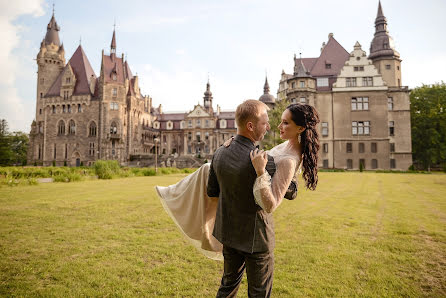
x=194 y=212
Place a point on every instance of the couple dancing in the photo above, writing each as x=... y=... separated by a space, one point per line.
x=225 y=207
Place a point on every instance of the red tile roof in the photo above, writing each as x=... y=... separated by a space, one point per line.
x=82 y=70
x=334 y=54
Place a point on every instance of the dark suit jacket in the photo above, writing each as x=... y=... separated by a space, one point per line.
x=240 y=223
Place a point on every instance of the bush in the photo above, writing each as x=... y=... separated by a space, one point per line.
x=148 y=172
x=64 y=163
x=106 y=169
x=411 y=168
x=54 y=163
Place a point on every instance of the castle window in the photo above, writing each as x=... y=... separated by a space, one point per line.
x=189 y=136
x=324 y=129
x=361 y=127
x=40 y=127
x=189 y=123
x=392 y=163
x=349 y=164
x=91 y=151
x=349 y=148
x=198 y=135
x=114 y=92
x=362 y=162
x=114 y=106
x=114 y=77
x=360 y=103
x=67 y=80
x=206 y=123
x=389 y=103
x=222 y=123
x=113 y=128
x=54 y=109
x=302 y=84
x=66 y=151
x=54 y=151
x=325 y=163
x=72 y=127
x=322 y=82
x=293 y=85
x=392 y=147
x=69 y=108
x=40 y=111
x=391 y=128
x=387 y=66
x=198 y=123
x=358 y=68
x=327 y=66
x=61 y=127
x=367 y=81
x=64 y=110
x=92 y=129
x=206 y=135
x=325 y=146
x=303 y=100
x=79 y=108
x=374 y=147
x=374 y=163
x=350 y=82
x=361 y=148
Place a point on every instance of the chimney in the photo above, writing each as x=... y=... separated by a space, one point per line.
x=160 y=109
x=218 y=110
x=92 y=84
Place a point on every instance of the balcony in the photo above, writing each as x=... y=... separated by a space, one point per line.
x=114 y=136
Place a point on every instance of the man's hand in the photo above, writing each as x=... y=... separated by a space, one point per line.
x=259 y=159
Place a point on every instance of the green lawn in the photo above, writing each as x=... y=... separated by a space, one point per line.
x=359 y=234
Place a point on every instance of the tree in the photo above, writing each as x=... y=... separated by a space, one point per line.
x=5 y=148
x=19 y=147
x=272 y=138
x=13 y=147
x=428 y=121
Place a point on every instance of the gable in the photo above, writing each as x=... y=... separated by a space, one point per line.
x=198 y=111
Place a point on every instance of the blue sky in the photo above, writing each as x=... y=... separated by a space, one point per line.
x=174 y=45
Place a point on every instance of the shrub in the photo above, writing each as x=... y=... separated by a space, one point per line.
x=64 y=163
x=361 y=167
x=106 y=169
x=148 y=172
x=54 y=163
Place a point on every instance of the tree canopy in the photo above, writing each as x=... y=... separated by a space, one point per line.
x=272 y=138
x=428 y=121
x=13 y=146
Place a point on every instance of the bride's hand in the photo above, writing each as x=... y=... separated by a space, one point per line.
x=228 y=142
x=259 y=159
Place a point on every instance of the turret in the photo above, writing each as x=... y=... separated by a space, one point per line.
x=382 y=51
x=207 y=99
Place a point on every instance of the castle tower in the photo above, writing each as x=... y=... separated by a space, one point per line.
x=50 y=62
x=267 y=98
x=383 y=54
x=207 y=99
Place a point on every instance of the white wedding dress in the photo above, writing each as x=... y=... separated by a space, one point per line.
x=194 y=212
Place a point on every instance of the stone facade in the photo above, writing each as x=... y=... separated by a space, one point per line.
x=81 y=118
x=364 y=109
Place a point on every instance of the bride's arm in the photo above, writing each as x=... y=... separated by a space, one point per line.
x=269 y=192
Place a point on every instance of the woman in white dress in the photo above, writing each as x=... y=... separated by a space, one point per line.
x=194 y=212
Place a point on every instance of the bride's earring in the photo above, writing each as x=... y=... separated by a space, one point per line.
x=298 y=138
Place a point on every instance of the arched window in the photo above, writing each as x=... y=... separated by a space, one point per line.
x=71 y=127
x=54 y=109
x=113 y=128
x=92 y=129
x=61 y=127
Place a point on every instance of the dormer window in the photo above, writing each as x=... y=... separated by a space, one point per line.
x=114 y=77
x=222 y=123
x=327 y=65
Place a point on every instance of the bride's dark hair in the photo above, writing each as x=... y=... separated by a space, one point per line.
x=307 y=116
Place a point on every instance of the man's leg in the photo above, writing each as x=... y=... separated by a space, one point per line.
x=234 y=266
x=260 y=269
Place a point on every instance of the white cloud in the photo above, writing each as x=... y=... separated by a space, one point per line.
x=12 y=106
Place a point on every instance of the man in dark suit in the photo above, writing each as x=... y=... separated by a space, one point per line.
x=244 y=229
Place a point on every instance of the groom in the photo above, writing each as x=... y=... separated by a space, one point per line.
x=244 y=229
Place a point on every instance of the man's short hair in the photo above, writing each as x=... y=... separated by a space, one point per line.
x=249 y=110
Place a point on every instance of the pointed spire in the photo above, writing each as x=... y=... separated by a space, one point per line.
x=380 y=10
x=113 y=43
x=266 y=86
x=52 y=35
x=382 y=43
x=300 y=70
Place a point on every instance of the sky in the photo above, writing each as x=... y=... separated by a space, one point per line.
x=175 y=46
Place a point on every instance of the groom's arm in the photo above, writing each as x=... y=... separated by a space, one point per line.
x=213 y=188
x=270 y=166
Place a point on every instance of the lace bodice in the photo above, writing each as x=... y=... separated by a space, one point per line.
x=268 y=193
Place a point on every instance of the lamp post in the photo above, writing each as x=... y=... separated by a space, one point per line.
x=156 y=140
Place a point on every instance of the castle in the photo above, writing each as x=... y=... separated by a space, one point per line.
x=80 y=118
x=364 y=108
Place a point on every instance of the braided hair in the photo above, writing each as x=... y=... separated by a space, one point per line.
x=307 y=116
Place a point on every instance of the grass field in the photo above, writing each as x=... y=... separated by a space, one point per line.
x=359 y=234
